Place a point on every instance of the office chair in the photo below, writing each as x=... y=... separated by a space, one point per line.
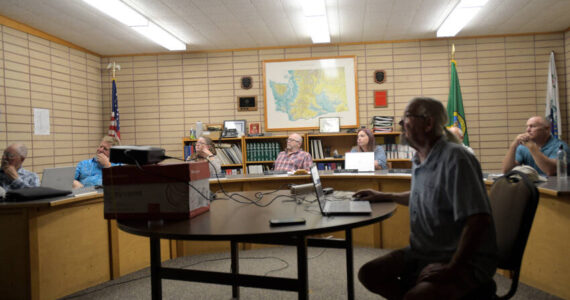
x=514 y=199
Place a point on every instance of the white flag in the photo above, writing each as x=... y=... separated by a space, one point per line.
x=552 y=105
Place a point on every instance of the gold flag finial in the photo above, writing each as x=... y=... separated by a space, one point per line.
x=113 y=66
x=452 y=51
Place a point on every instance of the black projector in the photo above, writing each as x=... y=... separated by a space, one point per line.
x=132 y=155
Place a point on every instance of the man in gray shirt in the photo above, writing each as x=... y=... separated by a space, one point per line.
x=453 y=248
x=12 y=175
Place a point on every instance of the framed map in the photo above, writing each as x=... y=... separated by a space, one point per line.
x=298 y=92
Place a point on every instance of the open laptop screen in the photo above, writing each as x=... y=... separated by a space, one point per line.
x=58 y=178
x=361 y=161
x=318 y=187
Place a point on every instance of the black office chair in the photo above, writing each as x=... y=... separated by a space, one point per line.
x=514 y=199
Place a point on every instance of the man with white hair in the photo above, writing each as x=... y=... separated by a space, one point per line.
x=453 y=249
x=12 y=175
x=536 y=148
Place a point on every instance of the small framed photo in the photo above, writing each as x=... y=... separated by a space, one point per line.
x=254 y=128
x=329 y=124
x=238 y=125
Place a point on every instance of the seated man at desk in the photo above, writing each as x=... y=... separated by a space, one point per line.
x=12 y=175
x=459 y=134
x=536 y=148
x=89 y=172
x=452 y=248
x=293 y=158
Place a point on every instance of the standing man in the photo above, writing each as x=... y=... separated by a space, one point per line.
x=536 y=148
x=452 y=247
x=89 y=172
x=293 y=158
x=12 y=175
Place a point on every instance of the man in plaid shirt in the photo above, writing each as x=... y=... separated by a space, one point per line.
x=293 y=158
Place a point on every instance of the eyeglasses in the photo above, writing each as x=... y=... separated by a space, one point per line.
x=8 y=155
x=406 y=116
x=293 y=140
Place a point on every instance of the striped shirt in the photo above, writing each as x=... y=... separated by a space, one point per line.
x=293 y=161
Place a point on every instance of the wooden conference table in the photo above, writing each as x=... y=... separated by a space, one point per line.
x=237 y=222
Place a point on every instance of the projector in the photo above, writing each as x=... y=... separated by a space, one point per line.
x=142 y=155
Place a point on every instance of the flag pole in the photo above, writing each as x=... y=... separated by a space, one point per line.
x=453 y=51
x=114 y=128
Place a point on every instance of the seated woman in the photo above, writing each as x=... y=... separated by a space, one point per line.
x=367 y=143
x=205 y=151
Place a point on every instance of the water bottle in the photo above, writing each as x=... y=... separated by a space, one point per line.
x=561 y=164
x=198 y=129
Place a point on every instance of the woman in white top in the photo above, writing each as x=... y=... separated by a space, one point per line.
x=367 y=143
x=205 y=151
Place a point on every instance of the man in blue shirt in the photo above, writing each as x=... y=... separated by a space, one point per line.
x=536 y=148
x=12 y=175
x=453 y=249
x=90 y=172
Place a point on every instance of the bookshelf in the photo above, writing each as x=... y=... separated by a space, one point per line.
x=232 y=158
x=259 y=153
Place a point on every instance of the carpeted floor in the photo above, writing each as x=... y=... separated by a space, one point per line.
x=327 y=277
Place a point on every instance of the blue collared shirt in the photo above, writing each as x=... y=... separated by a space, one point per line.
x=549 y=149
x=27 y=179
x=89 y=172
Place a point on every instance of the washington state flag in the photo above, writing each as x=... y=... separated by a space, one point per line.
x=455 y=114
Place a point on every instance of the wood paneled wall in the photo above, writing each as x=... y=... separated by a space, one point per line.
x=503 y=80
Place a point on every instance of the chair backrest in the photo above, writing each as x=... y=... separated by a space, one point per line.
x=514 y=199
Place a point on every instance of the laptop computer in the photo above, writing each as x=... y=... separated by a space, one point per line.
x=329 y=208
x=58 y=178
x=361 y=161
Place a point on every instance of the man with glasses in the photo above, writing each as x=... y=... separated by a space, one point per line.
x=452 y=249
x=12 y=175
x=536 y=148
x=293 y=158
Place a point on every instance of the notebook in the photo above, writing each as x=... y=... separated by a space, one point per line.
x=361 y=161
x=334 y=207
x=58 y=178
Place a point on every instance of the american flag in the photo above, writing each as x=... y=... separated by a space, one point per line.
x=114 y=128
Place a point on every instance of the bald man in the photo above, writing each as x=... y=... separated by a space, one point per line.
x=12 y=175
x=293 y=158
x=459 y=135
x=536 y=148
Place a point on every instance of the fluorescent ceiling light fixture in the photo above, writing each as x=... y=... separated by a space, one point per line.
x=459 y=17
x=119 y=11
x=130 y=17
x=316 y=20
x=313 y=7
x=160 y=36
x=319 y=29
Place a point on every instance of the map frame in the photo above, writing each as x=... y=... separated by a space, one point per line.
x=274 y=71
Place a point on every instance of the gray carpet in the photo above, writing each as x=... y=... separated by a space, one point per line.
x=327 y=277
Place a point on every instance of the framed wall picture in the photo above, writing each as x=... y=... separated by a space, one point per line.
x=381 y=98
x=297 y=92
x=247 y=103
x=329 y=124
